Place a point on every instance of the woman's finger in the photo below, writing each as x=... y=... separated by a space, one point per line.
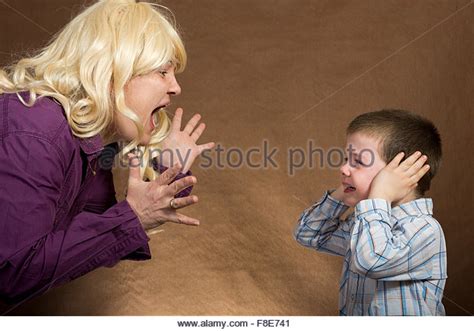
x=134 y=166
x=169 y=175
x=181 y=184
x=417 y=166
x=177 y=118
x=183 y=219
x=192 y=124
x=184 y=202
x=198 y=132
x=396 y=160
x=204 y=147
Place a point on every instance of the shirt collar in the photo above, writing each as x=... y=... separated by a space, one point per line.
x=418 y=207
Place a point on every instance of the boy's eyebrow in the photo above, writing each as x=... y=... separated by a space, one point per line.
x=357 y=154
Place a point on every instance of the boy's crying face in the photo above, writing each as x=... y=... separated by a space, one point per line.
x=362 y=164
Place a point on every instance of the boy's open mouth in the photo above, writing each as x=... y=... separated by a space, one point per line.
x=349 y=189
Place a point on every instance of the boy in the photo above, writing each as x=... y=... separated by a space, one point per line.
x=395 y=252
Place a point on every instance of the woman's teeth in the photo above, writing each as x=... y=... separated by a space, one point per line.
x=154 y=115
x=153 y=121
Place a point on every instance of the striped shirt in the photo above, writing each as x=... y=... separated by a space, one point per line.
x=394 y=258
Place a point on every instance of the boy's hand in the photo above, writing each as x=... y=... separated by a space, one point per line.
x=396 y=180
x=338 y=194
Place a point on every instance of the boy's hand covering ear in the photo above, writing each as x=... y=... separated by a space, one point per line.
x=396 y=180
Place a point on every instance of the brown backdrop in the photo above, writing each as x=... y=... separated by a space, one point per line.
x=282 y=71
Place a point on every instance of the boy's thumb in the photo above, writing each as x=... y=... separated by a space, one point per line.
x=134 y=166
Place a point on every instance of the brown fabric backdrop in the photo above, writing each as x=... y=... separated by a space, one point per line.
x=285 y=72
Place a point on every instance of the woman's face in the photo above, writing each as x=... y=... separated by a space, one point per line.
x=145 y=95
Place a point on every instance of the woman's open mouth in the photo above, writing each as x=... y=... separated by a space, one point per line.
x=154 y=116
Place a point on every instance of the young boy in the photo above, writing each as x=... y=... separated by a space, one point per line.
x=395 y=252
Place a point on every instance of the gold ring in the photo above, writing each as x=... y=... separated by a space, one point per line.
x=173 y=204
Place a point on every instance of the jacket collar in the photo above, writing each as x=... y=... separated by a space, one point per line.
x=91 y=145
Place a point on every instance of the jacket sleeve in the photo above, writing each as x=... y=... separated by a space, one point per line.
x=36 y=255
x=321 y=228
x=161 y=168
x=384 y=250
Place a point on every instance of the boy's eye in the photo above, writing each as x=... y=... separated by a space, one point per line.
x=360 y=162
x=357 y=161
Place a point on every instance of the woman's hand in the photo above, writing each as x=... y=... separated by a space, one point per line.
x=181 y=146
x=151 y=201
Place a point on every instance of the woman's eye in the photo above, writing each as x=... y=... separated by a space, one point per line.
x=161 y=72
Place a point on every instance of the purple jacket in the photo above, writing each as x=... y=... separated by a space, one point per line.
x=59 y=218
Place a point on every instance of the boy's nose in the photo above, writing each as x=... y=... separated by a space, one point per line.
x=345 y=169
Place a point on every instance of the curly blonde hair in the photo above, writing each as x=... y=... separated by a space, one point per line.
x=87 y=64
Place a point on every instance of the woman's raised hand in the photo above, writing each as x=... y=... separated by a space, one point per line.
x=153 y=202
x=183 y=144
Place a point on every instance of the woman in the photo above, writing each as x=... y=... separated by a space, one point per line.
x=105 y=78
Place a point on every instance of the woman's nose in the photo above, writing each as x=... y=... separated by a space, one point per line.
x=174 y=89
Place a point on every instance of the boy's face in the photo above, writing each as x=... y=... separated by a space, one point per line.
x=362 y=164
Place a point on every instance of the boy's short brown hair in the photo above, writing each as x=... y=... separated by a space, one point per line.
x=402 y=131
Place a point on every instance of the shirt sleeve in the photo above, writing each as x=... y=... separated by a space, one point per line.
x=321 y=228
x=386 y=250
x=35 y=252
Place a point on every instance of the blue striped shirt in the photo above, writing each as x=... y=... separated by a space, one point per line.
x=394 y=258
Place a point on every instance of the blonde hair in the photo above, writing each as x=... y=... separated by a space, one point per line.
x=87 y=64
